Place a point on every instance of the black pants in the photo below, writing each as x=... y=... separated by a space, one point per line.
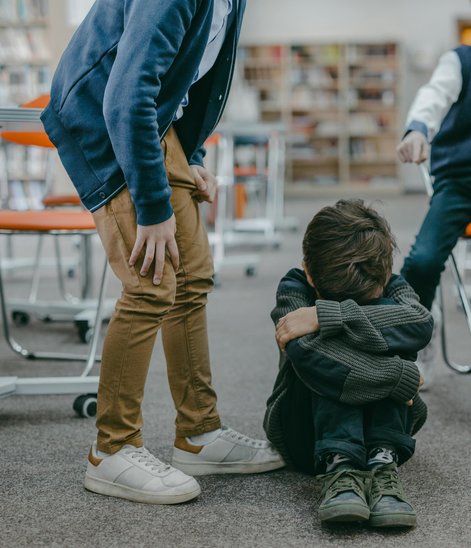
x=314 y=426
x=445 y=222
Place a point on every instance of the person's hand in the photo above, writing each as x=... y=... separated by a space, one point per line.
x=206 y=183
x=156 y=239
x=413 y=148
x=421 y=382
x=296 y=324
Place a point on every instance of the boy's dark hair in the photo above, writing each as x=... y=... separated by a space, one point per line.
x=348 y=251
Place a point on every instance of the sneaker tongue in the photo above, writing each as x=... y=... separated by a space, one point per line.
x=380 y=456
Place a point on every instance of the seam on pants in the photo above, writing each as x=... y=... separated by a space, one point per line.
x=131 y=323
x=187 y=343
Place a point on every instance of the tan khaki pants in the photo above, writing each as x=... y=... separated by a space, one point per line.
x=178 y=305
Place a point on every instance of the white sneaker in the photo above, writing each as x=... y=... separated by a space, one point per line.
x=427 y=358
x=229 y=453
x=135 y=474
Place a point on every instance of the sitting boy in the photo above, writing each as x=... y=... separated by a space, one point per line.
x=345 y=402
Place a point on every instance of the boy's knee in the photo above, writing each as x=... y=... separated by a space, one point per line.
x=151 y=299
x=424 y=264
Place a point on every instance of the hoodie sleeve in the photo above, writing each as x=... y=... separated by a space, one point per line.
x=153 y=33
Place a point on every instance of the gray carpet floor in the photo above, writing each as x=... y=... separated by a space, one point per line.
x=43 y=445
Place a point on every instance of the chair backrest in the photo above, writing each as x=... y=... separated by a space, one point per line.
x=30 y=138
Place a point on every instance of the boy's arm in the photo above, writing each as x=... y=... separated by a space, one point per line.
x=152 y=36
x=397 y=324
x=434 y=100
x=334 y=368
x=431 y=104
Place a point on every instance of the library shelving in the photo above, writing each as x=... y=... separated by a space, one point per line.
x=340 y=102
x=25 y=73
x=24 y=52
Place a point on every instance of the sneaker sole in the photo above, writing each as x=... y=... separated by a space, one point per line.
x=393 y=520
x=103 y=487
x=345 y=513
x=209 y=468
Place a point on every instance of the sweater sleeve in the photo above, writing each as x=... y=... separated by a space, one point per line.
x=332 y=366
x=434 y=100
x=334 y=369
x=397 y=324
x=152 y=36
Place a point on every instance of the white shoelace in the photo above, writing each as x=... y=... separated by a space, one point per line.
x=143 y=456
x=231 y=434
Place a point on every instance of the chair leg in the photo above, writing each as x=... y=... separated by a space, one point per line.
x=89 y=358
x=459 y=368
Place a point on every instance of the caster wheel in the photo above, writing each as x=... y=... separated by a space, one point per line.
x=85 y=405
x=71 y=273
x=20 y=318
x=250 y=271
x=85 y=332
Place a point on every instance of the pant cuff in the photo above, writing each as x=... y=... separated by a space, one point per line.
x=403 y=444
x=356 y=453
x=114 y=447
x=206 y=426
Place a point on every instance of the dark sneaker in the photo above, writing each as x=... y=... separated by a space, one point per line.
x=388 y=505
x=343 y=496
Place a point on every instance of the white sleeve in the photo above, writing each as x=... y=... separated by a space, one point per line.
x=434 y=99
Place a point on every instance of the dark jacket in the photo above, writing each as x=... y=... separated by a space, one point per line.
x=361 y=354
x=117 y=89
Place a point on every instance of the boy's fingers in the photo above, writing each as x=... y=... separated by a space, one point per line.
x=136 y=250
x=159 y=263
x=148 y=259
x=410 y=403
x=174 y=254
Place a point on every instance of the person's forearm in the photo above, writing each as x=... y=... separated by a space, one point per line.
x=402 y=326
x=434 y=99
x=341 y=372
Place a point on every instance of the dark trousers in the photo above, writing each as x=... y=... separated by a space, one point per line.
x=445 y=222
x=314 y=426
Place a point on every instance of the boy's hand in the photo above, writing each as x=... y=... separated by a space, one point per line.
x=155 y=240
x=206 y=183
x=421 y=382
x=296 y=324
x=413 y=148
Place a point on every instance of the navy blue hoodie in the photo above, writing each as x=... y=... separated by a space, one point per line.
x=117 y=88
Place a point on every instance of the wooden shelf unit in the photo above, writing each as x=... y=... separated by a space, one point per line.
x=341 y=103
x=25 y=74
x=25 y=58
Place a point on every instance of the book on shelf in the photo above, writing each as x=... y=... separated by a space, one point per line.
x=12 y=11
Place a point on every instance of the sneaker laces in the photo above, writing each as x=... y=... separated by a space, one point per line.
x=233 y=435
x=342 y=481
x=145 y=457
x=386 y=482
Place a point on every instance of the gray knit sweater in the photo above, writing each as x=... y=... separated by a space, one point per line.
x=360 y=354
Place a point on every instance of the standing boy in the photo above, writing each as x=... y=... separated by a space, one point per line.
x=345 y=401
x=138 y=90
x=440 y=114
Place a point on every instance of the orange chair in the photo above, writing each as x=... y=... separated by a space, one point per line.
x=21 y=316
x=59 y=223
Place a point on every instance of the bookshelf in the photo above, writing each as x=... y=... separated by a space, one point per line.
x=341 y=103
x=25 y=73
